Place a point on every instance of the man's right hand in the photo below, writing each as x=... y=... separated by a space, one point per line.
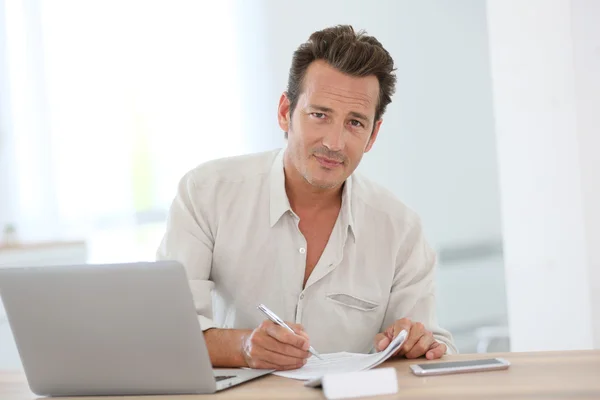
x=271 y=346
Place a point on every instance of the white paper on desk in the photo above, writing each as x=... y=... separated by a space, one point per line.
x=359 y=384
x=333 y=363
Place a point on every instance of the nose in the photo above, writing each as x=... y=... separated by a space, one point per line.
x=334 y=140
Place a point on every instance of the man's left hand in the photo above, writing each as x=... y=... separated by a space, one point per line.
x=418 y=342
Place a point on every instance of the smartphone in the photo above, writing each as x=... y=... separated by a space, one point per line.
x=455 y=367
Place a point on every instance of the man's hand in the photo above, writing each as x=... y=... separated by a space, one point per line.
x=418 y=342
x=271 y=346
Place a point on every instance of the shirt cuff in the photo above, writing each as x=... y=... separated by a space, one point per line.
x=206 y=323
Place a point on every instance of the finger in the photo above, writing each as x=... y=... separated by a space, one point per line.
x=381 y=341
x=287 y=337
x=276 y=346
x=402 y=324
x=414 y=335
x=436 y=350
x=282 y=361
x=262 y=364
x=389 y=332
x=393 y=330
x=421 y=347
x=299 y=329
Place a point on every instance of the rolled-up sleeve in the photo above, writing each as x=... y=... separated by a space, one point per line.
x=188 y=239
x=413 y=288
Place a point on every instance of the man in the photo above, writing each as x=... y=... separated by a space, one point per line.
x=335 y=255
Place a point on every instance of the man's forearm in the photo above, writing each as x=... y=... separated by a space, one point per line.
x=225 y=347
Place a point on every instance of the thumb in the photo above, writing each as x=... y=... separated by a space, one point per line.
x=381 y=341
x=437 y=350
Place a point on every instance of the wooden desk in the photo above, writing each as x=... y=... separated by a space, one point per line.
x=43 y=254
x=38 y=245
x=544 y=375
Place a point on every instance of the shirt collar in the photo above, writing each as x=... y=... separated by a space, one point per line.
x=347 y=216
x=280 y=204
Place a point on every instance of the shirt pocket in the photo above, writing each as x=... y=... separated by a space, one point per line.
x=353 y=301
x=357 y=317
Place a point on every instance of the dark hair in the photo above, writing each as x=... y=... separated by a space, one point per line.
x=349 y=52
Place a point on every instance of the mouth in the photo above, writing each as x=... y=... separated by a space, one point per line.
x=328 y=162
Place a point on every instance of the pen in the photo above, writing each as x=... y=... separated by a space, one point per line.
x=273 y=317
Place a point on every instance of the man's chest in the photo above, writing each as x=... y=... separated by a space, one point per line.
x=295 y=257
x=317 y=232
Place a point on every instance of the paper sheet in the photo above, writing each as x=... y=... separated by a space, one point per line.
x=360 y=384
x=343 y=362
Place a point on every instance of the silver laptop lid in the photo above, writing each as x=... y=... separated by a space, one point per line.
x=107 y=329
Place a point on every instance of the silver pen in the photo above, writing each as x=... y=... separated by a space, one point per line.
x=274 y=318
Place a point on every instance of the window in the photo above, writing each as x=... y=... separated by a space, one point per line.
x=111 y=103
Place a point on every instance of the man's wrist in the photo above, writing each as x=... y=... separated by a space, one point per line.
x=244 y=351
x=225 y=347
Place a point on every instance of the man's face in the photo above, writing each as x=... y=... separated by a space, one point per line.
x=332 y=125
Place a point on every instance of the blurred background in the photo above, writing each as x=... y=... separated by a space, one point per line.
x=104 y=105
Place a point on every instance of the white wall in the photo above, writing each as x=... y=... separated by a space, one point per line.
x=545 y=64
x=586 y=48
x=5 y=145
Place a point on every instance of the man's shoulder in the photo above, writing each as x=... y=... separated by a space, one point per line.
x=379 y=200
x=235 y=169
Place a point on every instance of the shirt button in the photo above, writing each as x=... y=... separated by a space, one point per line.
x=301 y=296
x=302 y=250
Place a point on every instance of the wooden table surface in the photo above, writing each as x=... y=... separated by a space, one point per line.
x=38 y=245
x=539 y=375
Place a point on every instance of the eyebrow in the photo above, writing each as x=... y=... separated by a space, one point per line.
x=329 y=110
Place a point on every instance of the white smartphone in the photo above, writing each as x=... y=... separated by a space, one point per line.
x=455 y=367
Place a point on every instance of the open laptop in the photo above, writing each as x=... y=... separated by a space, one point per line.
x=118 y=329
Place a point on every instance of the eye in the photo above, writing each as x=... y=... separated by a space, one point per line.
x=318 y=115
x=356 y=123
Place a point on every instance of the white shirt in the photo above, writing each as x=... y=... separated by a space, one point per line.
x=232 y=227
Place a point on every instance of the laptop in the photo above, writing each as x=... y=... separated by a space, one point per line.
x=116 y=329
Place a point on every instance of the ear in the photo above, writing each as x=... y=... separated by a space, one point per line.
x=283 y=112
x=373 y=135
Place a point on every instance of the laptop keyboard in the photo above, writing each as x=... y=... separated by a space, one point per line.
x=223 y=377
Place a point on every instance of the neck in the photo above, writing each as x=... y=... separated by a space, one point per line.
x=304 y=196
